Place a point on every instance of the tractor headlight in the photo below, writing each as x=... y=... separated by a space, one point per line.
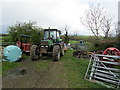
x=46 y=46
x=42 y=46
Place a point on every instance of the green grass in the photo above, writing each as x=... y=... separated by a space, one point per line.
x=0 y=69
x=5 y=38
x=43 y=65
x=9 y=65
x=25 y=56
x=75 y=70
x=73 y=42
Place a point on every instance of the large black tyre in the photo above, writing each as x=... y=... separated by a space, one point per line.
x=33 y=53
x=56 y=53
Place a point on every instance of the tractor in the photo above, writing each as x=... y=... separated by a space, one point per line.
x=51 y=44
x=24 y=43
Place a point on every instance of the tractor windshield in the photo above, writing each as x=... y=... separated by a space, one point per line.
x=53 y=35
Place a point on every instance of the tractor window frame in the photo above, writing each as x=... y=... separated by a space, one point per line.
x=52 y=34
x=58 y=35
x=46 y=35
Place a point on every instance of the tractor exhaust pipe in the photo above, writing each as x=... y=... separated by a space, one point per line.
x=49 y=32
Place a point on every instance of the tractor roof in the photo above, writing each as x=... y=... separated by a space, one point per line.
x=52 y=30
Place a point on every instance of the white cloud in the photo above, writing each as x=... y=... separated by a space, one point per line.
x=47 y=13
x=57 y=0
x=53 y=14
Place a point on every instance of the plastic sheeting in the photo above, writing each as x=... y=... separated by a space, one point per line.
x=12 y=53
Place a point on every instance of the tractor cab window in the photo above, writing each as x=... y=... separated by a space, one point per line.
x=46 y=35
x=52 y=35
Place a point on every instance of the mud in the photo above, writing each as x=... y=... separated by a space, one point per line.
x=26 y=76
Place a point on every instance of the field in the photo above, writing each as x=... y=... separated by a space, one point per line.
x=73 y=41
x=44 y=73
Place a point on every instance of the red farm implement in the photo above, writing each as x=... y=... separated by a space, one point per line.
x=113 y=52
x=24 y=43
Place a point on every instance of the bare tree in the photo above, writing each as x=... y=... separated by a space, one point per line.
x=106 y=26
x=115 y=29
x=66 y=29
x=118 y=31
x=66 y=34
x=96 y=20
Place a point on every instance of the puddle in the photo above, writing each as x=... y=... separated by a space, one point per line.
x=17 y=72
x=23 y=72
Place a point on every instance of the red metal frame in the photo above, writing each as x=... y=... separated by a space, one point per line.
x=25 y=46
x=114 y=51
x=111 y=51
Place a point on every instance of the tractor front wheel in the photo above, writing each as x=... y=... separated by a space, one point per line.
x=33 y=52
x=56 y=53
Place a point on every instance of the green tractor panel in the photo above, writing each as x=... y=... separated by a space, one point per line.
x=50 y=44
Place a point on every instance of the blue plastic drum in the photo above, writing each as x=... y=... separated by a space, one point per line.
x=12 y=53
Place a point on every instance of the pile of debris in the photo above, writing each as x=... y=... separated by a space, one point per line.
x=1 y=51
x=81 y=54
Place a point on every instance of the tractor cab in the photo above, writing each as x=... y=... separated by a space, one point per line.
x=24 y=42
x=51 y=37
x=52 y=34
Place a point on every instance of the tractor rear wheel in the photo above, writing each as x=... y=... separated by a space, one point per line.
x=56 y=53
x=33 y=52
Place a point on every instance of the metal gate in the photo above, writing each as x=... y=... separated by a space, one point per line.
x=105 y=69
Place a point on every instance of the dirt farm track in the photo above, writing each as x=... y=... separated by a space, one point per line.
x=68 y=72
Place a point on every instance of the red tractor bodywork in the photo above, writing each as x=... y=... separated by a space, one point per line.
x=25 y=46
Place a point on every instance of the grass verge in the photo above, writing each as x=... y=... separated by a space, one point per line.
x=9 y=65
x=6 y=66
x=75 y=70
x=73 y=42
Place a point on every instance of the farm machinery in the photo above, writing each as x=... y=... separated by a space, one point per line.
x=51 y=44
x=24 y=43
x=81 y=50
x=113 y=52
x=13 y=53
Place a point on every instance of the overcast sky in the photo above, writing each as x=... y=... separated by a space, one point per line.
x=52 y=13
